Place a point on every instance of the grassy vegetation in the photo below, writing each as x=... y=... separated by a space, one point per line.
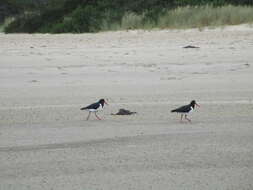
x=198 y=17
x=6 y=22
x=186 y=17
x=78 y=16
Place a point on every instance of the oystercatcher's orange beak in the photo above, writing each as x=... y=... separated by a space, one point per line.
x=106 y=103
x=197 y=105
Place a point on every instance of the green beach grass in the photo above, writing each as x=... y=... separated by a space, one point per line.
x=5 y=23
x=186 y=17
x=197 y=17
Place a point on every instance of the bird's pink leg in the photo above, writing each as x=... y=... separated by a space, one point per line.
x=88 y=116
x=187 y=118
x=181 y=118
x=97 y=116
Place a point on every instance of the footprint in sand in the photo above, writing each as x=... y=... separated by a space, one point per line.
x=169 y=78
x=34 y=81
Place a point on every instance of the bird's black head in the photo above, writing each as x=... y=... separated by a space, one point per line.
x=102 y=102
x=193 y=103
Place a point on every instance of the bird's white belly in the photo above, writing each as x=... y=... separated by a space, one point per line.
x=93 y=110
x=190 y=111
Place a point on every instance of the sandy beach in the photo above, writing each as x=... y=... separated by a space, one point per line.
x=46 y=142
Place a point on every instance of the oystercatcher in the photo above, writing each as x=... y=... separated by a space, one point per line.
x=184 y=110
x=95 y=107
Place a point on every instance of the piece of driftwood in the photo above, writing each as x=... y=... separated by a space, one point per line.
x=124 y=112
x=191 y=46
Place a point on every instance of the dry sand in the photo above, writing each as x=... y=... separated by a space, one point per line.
x=46 y=143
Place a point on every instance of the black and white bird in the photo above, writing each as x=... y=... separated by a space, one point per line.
x=95 y=107
x=184 y=110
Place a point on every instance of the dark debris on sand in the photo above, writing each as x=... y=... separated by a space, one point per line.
x=124 y=112
x=189 y=46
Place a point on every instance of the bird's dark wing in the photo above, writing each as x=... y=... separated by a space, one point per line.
x=183 y=109
x=92 y=106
